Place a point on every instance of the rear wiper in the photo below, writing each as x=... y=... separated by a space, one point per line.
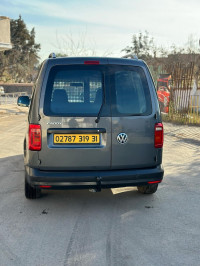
x=103 y=101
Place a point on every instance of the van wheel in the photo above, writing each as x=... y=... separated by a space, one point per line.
x=31 y=192
x=149 y=189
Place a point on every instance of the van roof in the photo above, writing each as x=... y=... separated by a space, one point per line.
x=95 y=60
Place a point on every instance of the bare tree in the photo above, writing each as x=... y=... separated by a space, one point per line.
x=69 y=45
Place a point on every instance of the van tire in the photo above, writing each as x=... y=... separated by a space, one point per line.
x=149 y=189
x=31 y=192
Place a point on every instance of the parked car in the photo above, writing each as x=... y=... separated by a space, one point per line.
x=93 y=123
x=163 y=91
x=163 y=97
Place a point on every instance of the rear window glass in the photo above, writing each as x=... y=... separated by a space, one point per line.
x=80 y=90
x=131 y=92
x=74 y=92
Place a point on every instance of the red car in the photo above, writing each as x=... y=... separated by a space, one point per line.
x=163 y=91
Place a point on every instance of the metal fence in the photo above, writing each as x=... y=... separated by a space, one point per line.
x=190 y=114
x=10 y=98
x=182 y=81
x=194 y=110
x=184 y=107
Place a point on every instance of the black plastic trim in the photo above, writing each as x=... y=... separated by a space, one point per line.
x=87 y=179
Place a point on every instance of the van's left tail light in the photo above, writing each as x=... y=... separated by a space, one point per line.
x=35 y=138
x=158 y=135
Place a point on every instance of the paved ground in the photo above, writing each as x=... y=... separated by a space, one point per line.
x=12 y=109
x=114 y=227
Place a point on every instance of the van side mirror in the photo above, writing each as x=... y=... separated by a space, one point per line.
x=23 y=101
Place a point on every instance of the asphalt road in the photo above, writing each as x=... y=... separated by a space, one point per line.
x=114 y=227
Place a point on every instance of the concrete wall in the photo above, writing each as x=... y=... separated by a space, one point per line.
x=5 y=33
x=17 y=87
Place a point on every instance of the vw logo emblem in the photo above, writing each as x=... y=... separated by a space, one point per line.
x=122 y=138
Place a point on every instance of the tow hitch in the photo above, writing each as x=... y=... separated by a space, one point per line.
x=98 y=187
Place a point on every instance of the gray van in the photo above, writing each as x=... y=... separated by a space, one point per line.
x=93 y=123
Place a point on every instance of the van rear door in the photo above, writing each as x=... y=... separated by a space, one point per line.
x=132 y=119
x=71 y=139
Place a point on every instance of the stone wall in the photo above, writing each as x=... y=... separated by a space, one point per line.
x=17 y=87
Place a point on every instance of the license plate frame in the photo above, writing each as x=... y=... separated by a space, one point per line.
x=76 y=139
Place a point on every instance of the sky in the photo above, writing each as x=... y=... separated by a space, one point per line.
x=104 y=27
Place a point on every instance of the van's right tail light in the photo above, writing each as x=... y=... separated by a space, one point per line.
x=158 y=135
x=35 y=137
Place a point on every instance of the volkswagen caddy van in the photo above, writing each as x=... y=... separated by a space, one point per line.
x=93 y=123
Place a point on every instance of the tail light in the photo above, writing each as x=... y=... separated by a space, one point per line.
x=35 y=137
x=158 y=135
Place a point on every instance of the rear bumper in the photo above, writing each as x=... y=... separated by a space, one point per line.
x=93 y=179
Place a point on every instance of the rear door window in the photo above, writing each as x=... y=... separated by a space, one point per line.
x=130 y=91
x=74 y=91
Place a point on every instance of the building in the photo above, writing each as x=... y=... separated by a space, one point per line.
x=5 y=43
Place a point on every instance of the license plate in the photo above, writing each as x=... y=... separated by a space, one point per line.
x=76 y=139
